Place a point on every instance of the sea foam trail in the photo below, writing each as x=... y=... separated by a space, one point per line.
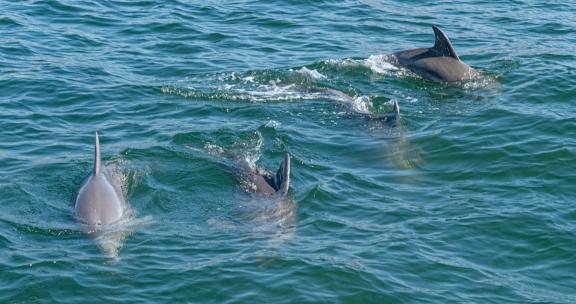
x=298 y=84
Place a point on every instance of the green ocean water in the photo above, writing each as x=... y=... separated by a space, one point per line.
x=469 y=200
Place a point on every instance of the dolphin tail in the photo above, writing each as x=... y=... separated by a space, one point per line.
x=282 y=179
x=97 y=155
x=442 y=45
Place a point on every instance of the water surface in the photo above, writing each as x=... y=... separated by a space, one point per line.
x=471 y=200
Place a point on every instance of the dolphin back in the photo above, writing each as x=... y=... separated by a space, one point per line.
x=98 y=200
x=439 y=63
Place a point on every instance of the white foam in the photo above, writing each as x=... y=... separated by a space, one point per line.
x=275 y=92
x=248 y=79
x=213 y=149
x=253 y=153
x=480 y=81
x=381 y=64
x=362 y=104
x=272 y=124
x=311 y=73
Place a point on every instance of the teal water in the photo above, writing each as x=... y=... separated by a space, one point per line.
x=470 y=200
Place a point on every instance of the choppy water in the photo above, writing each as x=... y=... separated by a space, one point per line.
x=471 y=200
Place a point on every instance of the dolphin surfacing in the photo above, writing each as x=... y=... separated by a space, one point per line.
x=439 y=63
x=99 y=200
x=391 y=119
x=269 y=184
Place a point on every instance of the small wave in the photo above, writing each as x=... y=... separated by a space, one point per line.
x=481 y=81
x=381 y=64
x=314 y=74
x=285 y=85
x=272 y=124
x=213 y=149
x=245 y=148
x=260 y=93
x=362 y=105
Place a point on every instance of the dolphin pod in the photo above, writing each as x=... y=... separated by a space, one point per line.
x=439 y=63
x=100 y=200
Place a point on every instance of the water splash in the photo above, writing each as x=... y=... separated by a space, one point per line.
x=314 y=74
x=382 y=64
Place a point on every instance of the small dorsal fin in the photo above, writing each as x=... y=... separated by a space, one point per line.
x=282 y=179
x=396 y=109
x=97 y=156
x=393 y=119
x=442 y=45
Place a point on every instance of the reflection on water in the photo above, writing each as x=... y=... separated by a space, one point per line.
x=110 y=238
x=274 y=217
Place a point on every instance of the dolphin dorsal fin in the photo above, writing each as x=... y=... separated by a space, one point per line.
x=393 y=119
x=396 y=109
x=442 y=45
x=282 y=179
x=97 y=156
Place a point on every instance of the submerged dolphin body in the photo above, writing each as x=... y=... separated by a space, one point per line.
x=270 y=210
x=266 y=183
x=391 y=119
x=99 y=200
x=439 y=63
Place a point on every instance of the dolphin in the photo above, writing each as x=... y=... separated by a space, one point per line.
x=439 y=63
x=270 y=209
x=391 y=119
x=99 y=201
x=266 y=183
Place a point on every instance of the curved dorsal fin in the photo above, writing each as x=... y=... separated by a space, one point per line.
x=282 y=179
x=442 y=45
x=396 y=109
x=97 y=156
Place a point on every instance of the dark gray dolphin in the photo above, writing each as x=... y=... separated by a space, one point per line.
x=99 y=201
x=439 y=63
x=270 y=209
x=266 y=183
